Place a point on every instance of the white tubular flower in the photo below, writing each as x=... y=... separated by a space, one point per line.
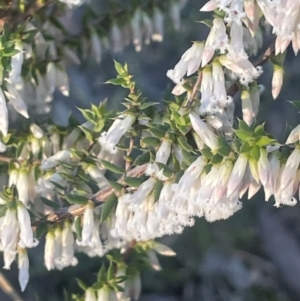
x=68 y=246
x=162 y=156
x=247 y=108
x=22 y=186
x=141 y=194
x=8 y=258
x=189 y=63
x=96 y=48
x=236 y=49
x=191 y=174
x=36 y=131
x=71 y=139
x=16 y=63
x=147 y=28
x=265 y=173
x=290 y=169
x=163 y=249
x=253 y=14
x=90 y=295
x=63 y=155
x=294 y=136
x=26 y=234
x=203 y=131
x=49 y=253
x=116 y=38
x=110 y=139
x=3 y=114
x=137 y=31
x=153 y=260
x=58 y=262
x=277 y=81
x=9 y=231
x=136 y=287
x=237 y=175
x=87 y=225
x=103 y=294
x=23 y=265
x=219 y=90
x=17 y=102
x=217 y=39
x=207 y=106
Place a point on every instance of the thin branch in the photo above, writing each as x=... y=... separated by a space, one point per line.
x=194 y=91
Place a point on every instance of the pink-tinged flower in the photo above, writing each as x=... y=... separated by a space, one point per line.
x=217 y=40
x=294 y=136
x=210 y=5
x=237 y=174
x=203 y=131
x=277 y=81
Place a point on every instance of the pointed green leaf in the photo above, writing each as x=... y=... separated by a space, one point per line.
x=112 y=167
x=142 y=159
x=108 y=207
x=82 y=284
x=157 y=190
x=77 y=199
x=133 y=182
x=50 y=203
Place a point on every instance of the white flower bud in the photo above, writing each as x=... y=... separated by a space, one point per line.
x=26 y=234
x=36 y=131
x=103 y=294
x=203 y=131
x=90 y=295
x=9 y=231
x=17 y=102
x=294 y=136
x=277 y=81
x=52 y=161
x=3 y=114
x=23 y=265
x=49 y=252
x=22 y=186
x=87 y=225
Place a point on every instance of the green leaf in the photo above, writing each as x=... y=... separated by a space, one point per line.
x=157 y=190
x=57 y=185
x=259 y=130
x=224 y=151
x=82 y=284
x=101 y=276
x=120 y=69
x=295 y=103
x=243 y=135
x=245 y=148
x=116 y=186
x=108 y=207
x=77 y=199
x=142 y=159
x=50 y=203
x=206 y=153
x=150 y=141
x=112 y=167
x=264 y=141
x=78 y=227
x=146 y=105
x=207 y=22
x=117 y=81
x=244 y=126
x=158 y=133
x=216 y=159
x=41 y=229
x=110 y=271
x=255 y=152
x=133 y=182
x=184 y=144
